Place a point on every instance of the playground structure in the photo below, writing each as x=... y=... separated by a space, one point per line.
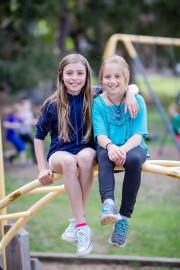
x=164 y=167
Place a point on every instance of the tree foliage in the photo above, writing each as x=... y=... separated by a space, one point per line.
x=35 y=34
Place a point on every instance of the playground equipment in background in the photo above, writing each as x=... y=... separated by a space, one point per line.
x=128 y=41
x=164 y=167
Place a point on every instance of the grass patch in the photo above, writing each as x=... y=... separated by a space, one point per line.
x=166 y=87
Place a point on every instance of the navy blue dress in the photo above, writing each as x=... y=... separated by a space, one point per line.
x=48 y=123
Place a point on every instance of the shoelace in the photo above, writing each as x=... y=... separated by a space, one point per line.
x=107 y=207
x=122 y=228
x=71 y=226
x=83 y=237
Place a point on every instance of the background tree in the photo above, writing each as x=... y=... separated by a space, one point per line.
x=35 y=34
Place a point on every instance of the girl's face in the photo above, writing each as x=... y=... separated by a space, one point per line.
x=74 y=77
x=113 y=80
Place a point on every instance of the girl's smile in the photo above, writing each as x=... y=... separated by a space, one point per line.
x=113 y=80
x=74 y=77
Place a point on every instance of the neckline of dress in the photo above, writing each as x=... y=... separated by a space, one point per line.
x=110 y=105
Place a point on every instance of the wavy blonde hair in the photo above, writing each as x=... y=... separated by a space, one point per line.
x=60 y=97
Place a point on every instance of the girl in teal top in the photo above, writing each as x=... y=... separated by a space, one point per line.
x=119 y=128
x=120 y=141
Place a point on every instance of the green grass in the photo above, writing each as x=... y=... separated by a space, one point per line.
x=165 y=87
x=154 y=227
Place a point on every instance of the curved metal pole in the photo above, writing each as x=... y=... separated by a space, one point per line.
x=23 y=190
x=112 y=42
x=23 y=220
x=158 y=167
x=2 y=194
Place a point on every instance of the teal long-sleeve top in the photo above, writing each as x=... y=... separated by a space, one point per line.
x=119 y=127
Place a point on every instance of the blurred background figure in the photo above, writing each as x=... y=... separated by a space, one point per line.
x=174 y=111
x=12 y=124
x=28 y=120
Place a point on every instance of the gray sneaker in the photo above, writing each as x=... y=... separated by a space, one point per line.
x=119 y=234
x=70 y=234
x=84 y=241
x=109 y=213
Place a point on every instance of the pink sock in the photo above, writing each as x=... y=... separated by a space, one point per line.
x=81 y=225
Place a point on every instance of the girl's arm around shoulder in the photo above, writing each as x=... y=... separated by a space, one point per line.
x=131 y=103
x=139 y=128
x=133 y=88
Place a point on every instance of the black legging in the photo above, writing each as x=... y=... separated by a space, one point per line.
x=132 y=178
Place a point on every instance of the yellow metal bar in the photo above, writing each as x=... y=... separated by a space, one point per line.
x=169 y=168
x=158 y=169
x=2 y=194
x=149 y=39
x=44 y=189
x=23 y=220
x=129 y=39
x=15 y=215
x=130 y=48
x=166 y=163
x=22 y=190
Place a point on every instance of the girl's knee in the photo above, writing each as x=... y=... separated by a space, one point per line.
x=86 y=159
x=134 y=160
x=63 y=163
x=69 y=163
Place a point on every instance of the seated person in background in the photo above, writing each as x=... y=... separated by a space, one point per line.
x=175 y=120
x=12 y=124
x=28 y=120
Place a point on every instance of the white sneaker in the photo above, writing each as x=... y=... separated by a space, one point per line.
x=84 y=241
x=70 y=234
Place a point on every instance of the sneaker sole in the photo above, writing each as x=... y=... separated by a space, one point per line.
x=108 y=219
x=116 y=244
x=68 y=239
x=85 y=252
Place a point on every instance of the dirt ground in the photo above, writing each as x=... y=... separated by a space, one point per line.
x=54 y=266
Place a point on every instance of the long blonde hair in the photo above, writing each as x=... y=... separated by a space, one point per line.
x=60 y=97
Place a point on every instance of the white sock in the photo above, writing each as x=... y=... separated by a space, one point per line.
x=124 y=217
x=110 y=201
